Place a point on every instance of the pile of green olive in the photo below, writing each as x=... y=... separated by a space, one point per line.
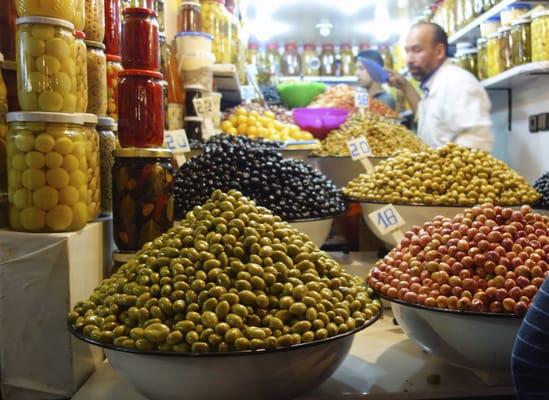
x=231 y=277
x=450 y=175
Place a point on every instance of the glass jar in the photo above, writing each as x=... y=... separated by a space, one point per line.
x=272 y=60
x=163 y=46
x=347 y=60
x=8 y=15
x=450 y=7
x=143 y=188
x=387 y=57
x=114 y=67
x=140 y=42
x=254 y=55
x=61 y=9
x=460 y=20
x=3 y=131
x=192 y=92
x=521 y=48
x=112 y=27
x=217 y=22
x=95 y=20
x=97 y=79
x=47 y=168
x=310 y=61
x=188 y=17
x=140 y=108
x=81 y=72
x=327 y=60
x=505 y=55
x=94 y=166
x=107 y=146
x=539 y=35
x=175 y=92
x=9 y=73
x=468 y=11
x=490 y=26
x=291 y=62
x=513 y=12
x=159 y=9
x=468 y=61
x=193 y=127
x=46 y=65
x=235 y=31
x=119 y=258
x=482 y=58
x=79 y=15
x=478 y=7
x=493 y=51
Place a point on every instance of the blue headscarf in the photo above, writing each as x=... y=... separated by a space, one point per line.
x=373 y=62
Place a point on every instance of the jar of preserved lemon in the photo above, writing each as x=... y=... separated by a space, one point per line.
x=505 y=55
x=46 y=65
x=93 y=174
x=216 y=21
x=47 y=172
x=521 y=48
x=95 y=20
x=482 y=58
x=81 y=72
x=79 y=15
x=61 y=9
x=540 y=36
x=97 y=78
x=494 y=62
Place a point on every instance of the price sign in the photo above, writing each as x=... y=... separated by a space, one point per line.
x=360 y=150
x=388 y=220
x=177 y=142
x=361 y=99
x=204 y=106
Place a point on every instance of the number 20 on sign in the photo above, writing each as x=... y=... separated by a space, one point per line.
x=387 y=220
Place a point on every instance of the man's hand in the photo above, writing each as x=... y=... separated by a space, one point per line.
x=397 y=80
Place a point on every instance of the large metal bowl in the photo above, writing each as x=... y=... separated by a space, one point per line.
x=341 y=170
x=318 y=229
x=478 y=341
x=277 y=374
x=297 y=154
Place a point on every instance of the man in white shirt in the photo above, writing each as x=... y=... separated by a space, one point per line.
x=454 y=108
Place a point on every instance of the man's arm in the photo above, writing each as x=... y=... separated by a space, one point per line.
x=410 y=94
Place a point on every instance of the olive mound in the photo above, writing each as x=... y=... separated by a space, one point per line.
x=231 y=277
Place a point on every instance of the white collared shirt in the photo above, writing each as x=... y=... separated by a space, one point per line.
x=455 y=109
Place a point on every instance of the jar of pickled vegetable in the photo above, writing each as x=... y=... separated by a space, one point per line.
x=347 y=60
x=159 y=9
x=81 y=72
x=3 y=131
x=192 y=92
x=272 y=60
x=468 y=61
x=513 y=12
x=60 y=9
x=94 y=166
x=482 y=58
x=254 y=55
x=235 y=31
x=46 y=65
x=217 y=22
x=493 y=50
x=140 y=108
x=540 y=35
x=163 y=45
x=188 y=17
x=97 y=79
x=193 y=127
x=521 y=48
x=310 y=61
x=490 y=26
x=175 y=88
x=291 y=62
x=79 y=15
x=143 y=188
x=140 y=41
x=47 y=172
x=478 y=7
x=107 y=145
x=8 y=15
x=95 y=20
x=114 y=67
x=460 y=20
x=327 y=60
x=112 y=27
x=505 y=55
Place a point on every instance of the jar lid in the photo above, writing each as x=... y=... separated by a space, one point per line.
x=504 y=29
x=521 y=21
x=272 y=46
x=481 y=40
x=143 y=153
x=201 y=34
x=345 y=45
x=161 y=35
x=114 y=58
x=469 y=51
x=193 y=119
x=122 y=256
x=45 y=117
x=140 y=72
x=45 y=21
x=518 y=6
x=95 y=45
x=538 y=14
x=463 y=45
x=200 y=88
x=309 y=46
x=89 y=118
x=189 y=3
x=80 y=34
x=493 y=36
x=253 y=46
x=139 y=11
x=105 y=122
x=327 y=46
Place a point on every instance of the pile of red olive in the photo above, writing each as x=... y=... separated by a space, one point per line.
x=488 y=259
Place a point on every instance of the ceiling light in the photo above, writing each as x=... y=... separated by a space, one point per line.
x=324 y=27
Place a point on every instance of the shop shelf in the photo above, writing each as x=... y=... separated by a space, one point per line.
x=324 y=79
x=517 y=76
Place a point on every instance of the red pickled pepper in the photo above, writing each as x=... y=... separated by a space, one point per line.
x=112 y=27
x=140 y=42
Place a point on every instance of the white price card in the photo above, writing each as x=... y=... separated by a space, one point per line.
x=388 y=220
x=361 y=99
x=360 y=150
x=204 y=105
x=177 y=142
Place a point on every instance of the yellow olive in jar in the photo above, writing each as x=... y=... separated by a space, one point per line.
x=58 y=178
x=24 y=141
x=58 y=48
x=35 y=47
x=63 y=145
x=42 y=32
x=22 y=198
x=68 y=196
x=33 y=178
x=80 y=215
x=44 y=143
x=53 y=159
x=47 y=64
x=45 y=198
x=59 y=218
x=33 y=219
x=70 y=163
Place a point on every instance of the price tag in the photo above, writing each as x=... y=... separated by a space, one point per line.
x=388 y=220
x=204 y=106
x=177 y=142
x=361 y=100
x=360 y=150
x=208 y=129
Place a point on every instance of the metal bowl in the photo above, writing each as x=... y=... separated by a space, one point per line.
x=318 y=229
x=477 y=341
x=276 y=374
x=297 y=154
x=341 y=170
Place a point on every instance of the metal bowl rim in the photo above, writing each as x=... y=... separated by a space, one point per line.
x=347 y=157
x=314 y=219
x=463 y=207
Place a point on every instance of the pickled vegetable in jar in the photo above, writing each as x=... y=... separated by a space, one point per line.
x=112 y=27
x=521 y=48
x=60 y=9
x=175 y=92
x=490 y=26
x=193 y=127
x=540 y=36
x=493 y=50
x=504 y=37
x=216 y=21
x=97 y=79
x=235 y=31
x=79 y=15
x=143 y=198
x=95 y=20
x=140 y=40
x=159 y=9
x=114 y=67
x=93 y=174
x=291 y=62
x=513 y=12
x=469 y=62
x=47 y=172
x=140 y=108
x=254 y=55
x=188 y=17
x=46 y=65
x=3 y=131
x=310 y=61
x=8 y=15
x=347 y=60
x=81 y=72
x=192 y=92
x=327 y=60
x=107 y=145
x=482 y=58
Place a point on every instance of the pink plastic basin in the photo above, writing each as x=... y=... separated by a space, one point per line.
x=320 y=121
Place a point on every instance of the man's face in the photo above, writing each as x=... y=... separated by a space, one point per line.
x=423 y=56
x=364 y=78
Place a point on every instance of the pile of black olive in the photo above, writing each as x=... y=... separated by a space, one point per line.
x=542 y=186
x=290 y=188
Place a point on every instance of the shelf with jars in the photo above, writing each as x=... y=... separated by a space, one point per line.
x=517 y=76
x=323 y=79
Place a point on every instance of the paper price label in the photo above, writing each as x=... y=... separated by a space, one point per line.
x=359 y=148
x=361 y=99
x=387 y=220
x=204 y=105
x=177 y=142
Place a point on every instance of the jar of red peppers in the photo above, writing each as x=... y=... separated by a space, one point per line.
x=8 y=15
x=114 y=67
x=188 y=18
x=143 y=188
x=140 y=44
x=140 y=108
x=112 y=27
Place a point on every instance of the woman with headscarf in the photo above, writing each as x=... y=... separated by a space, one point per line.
x=371 y=75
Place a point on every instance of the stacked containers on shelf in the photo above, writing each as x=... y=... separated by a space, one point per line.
x=216 y=21
x=94 y=165
x=195 y=58
x=111 y=40
x=81 y=72
x=3 y=160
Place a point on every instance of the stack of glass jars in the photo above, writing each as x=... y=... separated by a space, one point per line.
x=216 y=20
x=539 y=37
